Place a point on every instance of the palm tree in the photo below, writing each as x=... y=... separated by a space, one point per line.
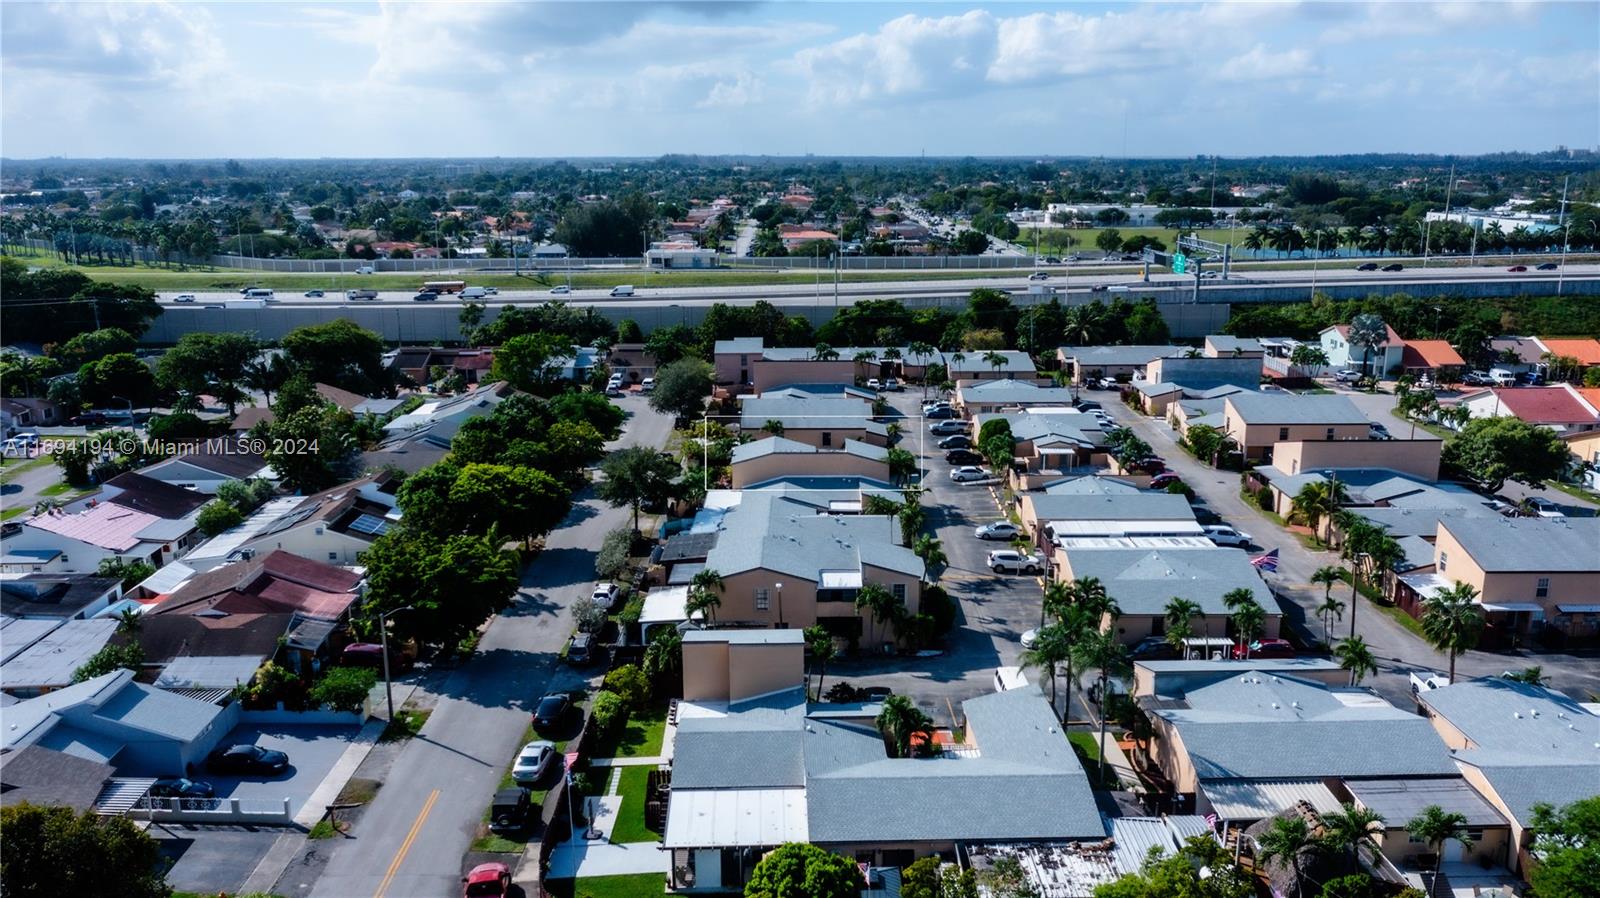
x=923 y=352
x=704 y=594
x=994 y=360
x=1368 y=332
x=1050 y=649
x=1351 y=829
x=1326 y=576
x=1533 y=676
x=880 y=603
x=1235 y=599
x=1058 y=597
x=899 y=721
x=129 y=620
x=1316 y=500
x=1286 y=841
x=1355 y=656
x=956 y=358
x=1451 y=621
x=861 y=358
x=1258 y=238
x=1436 y=826
x=1180 y=614
x=931 y=552
x=824 y=353
x=1102 y=649
x=663 y=657
x=1076 y=622
x=820 y=643
x=1248 y=622
x=773 y=426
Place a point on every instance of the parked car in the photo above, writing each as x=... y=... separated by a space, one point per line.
x=534 y=760
x=1477 y=379
x=183 y=297
x=1548 y=266
x=425 y=296
x=561 y=290
x=997 y=530
x=248 y=759
x=944 y=413
x=1394 y=266
x=963 y=457
x=874 y=384
x=1153 y=648
x=89 y=419
x=1010 y=561
x=892 y=385
x=491 y=880
x=959 y=441
x=1265 y=648
x=1517 y=268
x=947 y=426
x=606 y=594
x=1346 y=376
x=370 y=654
x=580 y=649
x=1148 y=465
x=936 y=404
x=968 y=474
x=551 y=709
x=314 y=294
x=512 y=809
x=1039 y=276
x=647 y=385
x=1378 y=431
x=1544 y=508
x=1367 y=266
x=1224 y=535
x=1164 y=479
x=192 y=793
x=1030 y=638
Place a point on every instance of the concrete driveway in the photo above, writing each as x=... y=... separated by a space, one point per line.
x=212 y=860
x=312 y=752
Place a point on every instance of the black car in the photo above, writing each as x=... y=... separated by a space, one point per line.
x=1548 y=266
x=552 y=708
x=959 y=441
x=191 y=793
x=425 y=296
x=511 y=810
x=1394 y=266
x=89 y=419
x=1153 y=648
x=963 y=457
x=1368 y=266
x=940 y=413
x=246 y=759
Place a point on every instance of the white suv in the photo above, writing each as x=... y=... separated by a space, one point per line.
x=605 y=594
x=1223 y=535
x=1009 y=561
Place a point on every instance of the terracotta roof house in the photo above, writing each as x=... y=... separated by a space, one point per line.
x=275 y=582
x=1428 y=356
x=134 y=517
x=1585 y=349
x=1560 y=407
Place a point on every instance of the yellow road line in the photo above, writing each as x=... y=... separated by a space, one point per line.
x=400 y=856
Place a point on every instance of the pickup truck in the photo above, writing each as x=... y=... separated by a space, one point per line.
x=361 y=295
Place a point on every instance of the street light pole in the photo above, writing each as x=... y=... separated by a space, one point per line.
x=383 y=640
x=779 y=588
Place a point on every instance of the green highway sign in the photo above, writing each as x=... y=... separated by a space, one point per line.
x=1180 y=263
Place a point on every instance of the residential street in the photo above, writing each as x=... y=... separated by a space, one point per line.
x=411 y=840
x=1399 y=652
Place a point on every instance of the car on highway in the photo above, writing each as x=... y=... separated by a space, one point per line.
x=1010 y=561
x=959 y=441
x=1367 y=266
x=248 y=759
x=562 y=290
x=532 y=762
x=551 y=710
x=1224 y=535
x=1517 y=268
x=314 y=294
x=1210 y=275
x=183 y=297
x=997 y=530
x=1548 y=266
x=425 y=296
x=491 y=880
x=947 y=426
x=1039 y=276
x=622 y=290
x=1264 y=648
x=1394 y=266
x=963 y=457
x=968 y=474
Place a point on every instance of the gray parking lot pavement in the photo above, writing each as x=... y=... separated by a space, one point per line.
x=212 y=860
x=312 y=751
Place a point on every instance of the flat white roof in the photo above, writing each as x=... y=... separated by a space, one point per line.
x=735 y=818
x=664 y=605
x=1068 y=529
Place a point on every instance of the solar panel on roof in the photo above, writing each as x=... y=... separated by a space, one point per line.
x=370 y=524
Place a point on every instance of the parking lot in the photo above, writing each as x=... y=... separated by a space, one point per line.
x=994 y=609
x=312 y=752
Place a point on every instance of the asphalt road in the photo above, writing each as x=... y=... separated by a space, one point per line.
x=412 y=838
x=804 y=289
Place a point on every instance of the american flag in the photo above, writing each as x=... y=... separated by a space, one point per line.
x=570 y=760
x=1267 y=562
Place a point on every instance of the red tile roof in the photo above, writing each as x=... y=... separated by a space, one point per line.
x=277 y=582
x=1543 y=405
x=1585 y=349
x=1430 y=354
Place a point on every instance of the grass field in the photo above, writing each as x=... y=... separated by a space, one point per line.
x=630 y=826
x=1053 y=241
x=640 y=738
x=643 y=885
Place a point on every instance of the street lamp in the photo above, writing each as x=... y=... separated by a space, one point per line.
x=383 y=639
x=779 y=588
x=130 y=409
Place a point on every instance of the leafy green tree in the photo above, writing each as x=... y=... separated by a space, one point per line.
x=801 y=870
x=1491 y=451
x=1180 y=617
x=637 y=476
x=1325 y=577
x=682 y=388
x=819 y=643
x=454 y=583
x=1352 y=831
x=58 y=851
x=177 y=426
x=1452 y=622
x=1567 y=844
x=1051 y=649
x=611 y=562
x=881 y=604
x=592 y=408
x=208 y=363
x=340 y=353
x=108 y=659
x=117 y=377
x=663 y=661
x=312 y=449
x=971 y=243
x=899 y=721
x=246 y=495
x=94 y=345
x=344 y=688
x=1102 y=650
x=922 y=878
x=705 y=594
x=1288 y=841
x=608 y=711
x=131 y=573
x=518 y=501
x=216 y=517
x=1109 y=240
x=630 y=684
x=531 y=362
x=1181 y=876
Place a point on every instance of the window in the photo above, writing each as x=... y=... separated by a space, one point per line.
x=1444 y=562
x=1283 y=433
x=762 y=601
x=1330 y=434
x=333 y=556
x=899 y=591
x=1541 y=590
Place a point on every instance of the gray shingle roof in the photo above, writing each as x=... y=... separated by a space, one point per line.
x=1529 y=544
x=1522 y=787
x=1500 y=715
x=805 y=414
x=768 y=531
x=1227 y=343
x=1091 y=485
x=773 y=445
x=739 y=344
x=1015 y=363
x=1089 y=356
x=1141 y=507
x=1288 y=408
x=1143 y=581
x=1013 y=391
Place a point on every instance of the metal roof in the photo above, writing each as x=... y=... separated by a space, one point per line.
x=735 y=818
x=1289 y=408
x=1258 y=799
x=208 y=672
x=51 y=660
x=1536 y=545
x=1134 y=838
x=1399 y=800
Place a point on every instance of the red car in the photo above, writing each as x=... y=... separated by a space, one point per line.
x=1517 y=268
x=487 y=881
x=1164 y=479
x=1265 y=648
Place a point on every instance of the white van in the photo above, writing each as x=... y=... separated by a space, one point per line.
x=1117 y=288
x=365 y=269
x=262 y=293
x=1009 y=678
x=474 y=293
x=622 y=290
x=1502 y=377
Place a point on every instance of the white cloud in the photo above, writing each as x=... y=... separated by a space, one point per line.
x=1260 y=64
x=746 y=88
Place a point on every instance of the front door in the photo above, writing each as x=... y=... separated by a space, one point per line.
x=708 y=868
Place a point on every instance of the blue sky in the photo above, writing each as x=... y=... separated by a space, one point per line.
x=576 y=79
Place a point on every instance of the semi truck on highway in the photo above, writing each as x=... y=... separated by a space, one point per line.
x=361 y=295
x=443 y=286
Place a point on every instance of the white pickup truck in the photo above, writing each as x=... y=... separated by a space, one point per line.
x=1427 y=682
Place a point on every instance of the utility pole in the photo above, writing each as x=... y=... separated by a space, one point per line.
x=1565 y=226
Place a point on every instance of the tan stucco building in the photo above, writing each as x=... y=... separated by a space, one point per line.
x=1256 y=421
x=774 y=458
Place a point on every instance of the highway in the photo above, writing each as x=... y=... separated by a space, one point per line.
x=803 y=293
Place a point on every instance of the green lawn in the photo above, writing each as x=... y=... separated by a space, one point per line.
x=643 y=885
x=1443 y=433
x=1087 y=747
x=641 y=738
x=1573 y=490
x=10 y=513
x=630 y=826
x=1398 y=615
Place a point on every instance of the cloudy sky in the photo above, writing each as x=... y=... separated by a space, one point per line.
x=572 y=79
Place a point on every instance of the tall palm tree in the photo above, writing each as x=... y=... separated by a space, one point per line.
x=927 y=548
x=1325 y=577
x=1350 y=829
x=1533 y=676
x=705 y=594
x=861 y=358
x=956 y=358
x=923 y=352
x=663 y=658
x=1058 y=596
x=1076 y=623
x=1368 y=332
x=1356 y=656
x=1050 y=649
x=1234 y=600
x=820 y=643
x=1436 y=826
x=1452 y=621
x=994 y=360
x=879 y=602
x=824 y=353
x=1287 y=841
x=1101 y=649
x=1317 y=500
x=1249 y=620
x=899 y=721
x=1180 y=616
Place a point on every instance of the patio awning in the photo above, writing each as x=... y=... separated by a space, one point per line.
x=1569 y=608
x=735 y=818
x=1259 y=799
x=840 y=580
x=1533 y=607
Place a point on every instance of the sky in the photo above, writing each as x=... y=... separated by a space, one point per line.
x=248 y=80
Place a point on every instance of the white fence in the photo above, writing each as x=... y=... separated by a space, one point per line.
x=272 y=812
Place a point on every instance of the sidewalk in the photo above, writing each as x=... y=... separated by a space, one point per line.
x=1116 y=760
